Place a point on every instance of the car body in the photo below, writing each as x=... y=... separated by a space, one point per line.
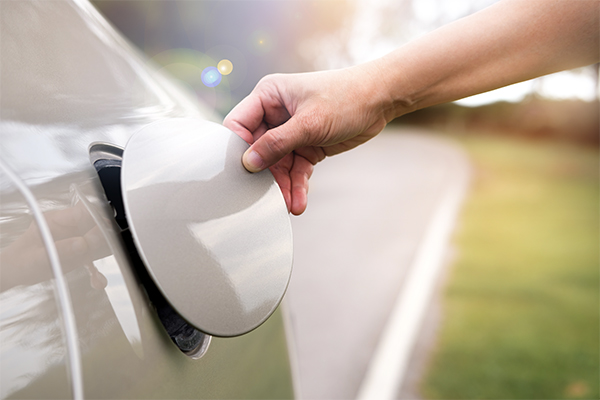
x=77 y=318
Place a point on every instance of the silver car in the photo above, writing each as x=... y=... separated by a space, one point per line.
x=138 y=259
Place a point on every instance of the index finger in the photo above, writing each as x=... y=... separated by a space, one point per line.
x=246 y=117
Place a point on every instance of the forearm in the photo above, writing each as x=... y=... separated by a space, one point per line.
x=509 y=42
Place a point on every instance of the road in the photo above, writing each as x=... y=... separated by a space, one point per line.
x=369 y=212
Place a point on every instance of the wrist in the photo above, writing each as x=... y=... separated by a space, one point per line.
x=391 y=90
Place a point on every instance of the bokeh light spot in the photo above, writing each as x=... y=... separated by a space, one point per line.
x=225 y=67
x=211 y=76
x=261 y=42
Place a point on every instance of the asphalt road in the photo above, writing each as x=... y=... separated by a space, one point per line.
x=369 y=212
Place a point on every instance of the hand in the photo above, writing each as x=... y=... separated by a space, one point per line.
x=294 y=121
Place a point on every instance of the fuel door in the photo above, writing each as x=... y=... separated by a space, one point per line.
x=215 y=239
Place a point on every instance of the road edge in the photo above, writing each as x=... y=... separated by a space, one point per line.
x=387 y=368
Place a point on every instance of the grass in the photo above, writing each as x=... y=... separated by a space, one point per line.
x=521 y=306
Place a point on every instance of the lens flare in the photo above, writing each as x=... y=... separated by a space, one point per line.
x=211 y=76
x=225 y=67
x=261 y=42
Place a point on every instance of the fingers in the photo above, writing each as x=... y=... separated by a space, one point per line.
x=264 y=106
x=312 y=153
x=274 y=145
x=292 y=175
x=246 y=117
x=281 y=173
x=299 y=175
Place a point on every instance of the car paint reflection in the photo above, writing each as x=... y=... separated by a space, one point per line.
x=247 y=265
x=31 y=340
x=31 y=335
x=121 y=302
x=109 y=262
x=68 y=80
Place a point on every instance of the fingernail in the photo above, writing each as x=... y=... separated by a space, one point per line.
x=252 y=161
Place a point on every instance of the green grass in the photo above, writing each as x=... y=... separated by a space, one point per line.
x=521 y=305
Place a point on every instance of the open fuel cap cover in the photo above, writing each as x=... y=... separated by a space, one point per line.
x=215 y=238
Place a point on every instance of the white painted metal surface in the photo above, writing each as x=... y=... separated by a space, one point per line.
x=64 y=297
x=216 y=238
x=67 y=79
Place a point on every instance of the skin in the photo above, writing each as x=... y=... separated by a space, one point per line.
x=293 y=121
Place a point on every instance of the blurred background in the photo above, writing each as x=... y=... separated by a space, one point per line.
x=262 y=37
x=521 y=304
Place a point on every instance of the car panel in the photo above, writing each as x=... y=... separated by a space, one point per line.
x=68 y=80
x=32 y=336
x=215 y=238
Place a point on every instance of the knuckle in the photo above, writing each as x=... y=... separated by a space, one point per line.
x=268 y=81
x=277 y=145
x=312 y=124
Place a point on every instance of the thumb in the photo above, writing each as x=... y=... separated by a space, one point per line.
x=275 y=144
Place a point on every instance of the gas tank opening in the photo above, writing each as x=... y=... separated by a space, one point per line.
x=107 y=160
